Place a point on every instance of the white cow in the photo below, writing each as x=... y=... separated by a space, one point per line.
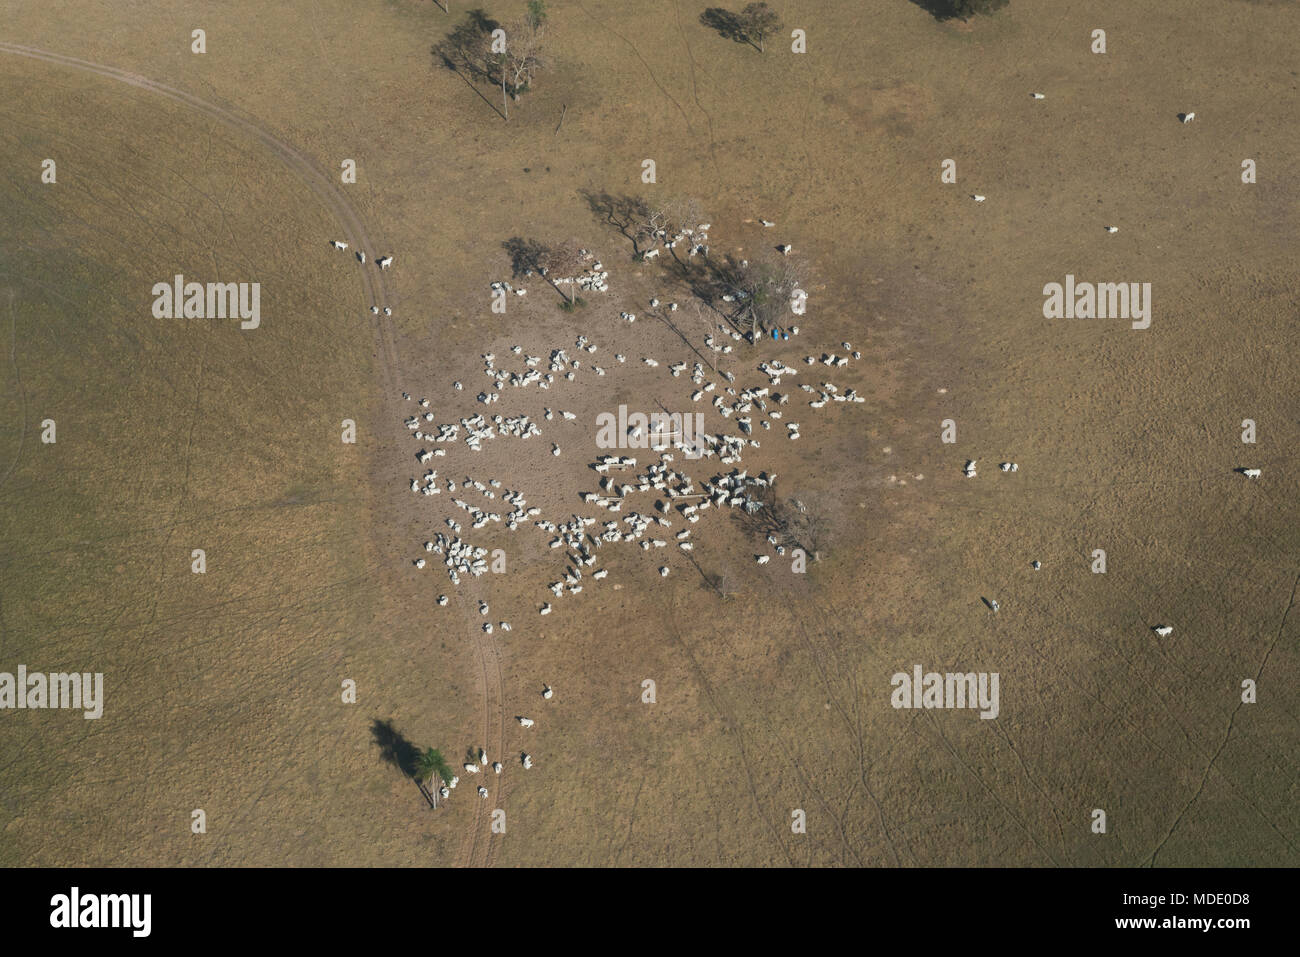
x=338 y=245
x=384 y=261
x=1164 y=631
x=525 y=722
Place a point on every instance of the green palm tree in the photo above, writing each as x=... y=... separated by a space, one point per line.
x=432 y=767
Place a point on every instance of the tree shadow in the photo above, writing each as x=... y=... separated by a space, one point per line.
x=466 y=52
x=941 y=10
x=531 y=257
x=527 y=256
x=625 y=213
x=394 y=749
x=727 y=24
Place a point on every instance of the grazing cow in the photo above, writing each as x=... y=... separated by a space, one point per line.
x=527 y=760
x=384 y=262
x=361 y=255
x=1186 y=117
x=1009 y=467
x=1250 y=473
x=525 y=722
x=977 y=197
x=1038 y=96
x=471 y=768
x=547 y=692
x=763 y=559
x=338 y=245
x=1164 y=631
x=785 y=249
x=482 y=791
x=766 y=222
x=496 y=767
x=1111 y=229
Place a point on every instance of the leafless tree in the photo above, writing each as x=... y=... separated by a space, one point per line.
x=669 y=219
x=510 y=59
x=523 y=58
x=530 y=257
x=792 y=522
x=755 y=295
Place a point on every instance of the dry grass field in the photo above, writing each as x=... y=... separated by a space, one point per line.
x=223 y=690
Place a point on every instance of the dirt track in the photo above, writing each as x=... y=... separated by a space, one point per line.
x=479 y=851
